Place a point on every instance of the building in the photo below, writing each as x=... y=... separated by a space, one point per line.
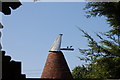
x=56 y=66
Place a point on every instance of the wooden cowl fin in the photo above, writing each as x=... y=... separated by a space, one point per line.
x=56 y=66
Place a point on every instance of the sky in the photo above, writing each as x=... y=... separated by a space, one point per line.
x=31 y=29
x=61 y=0
x=52 y=0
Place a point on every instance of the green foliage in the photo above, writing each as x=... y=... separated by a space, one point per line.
x=106 y=67
x=79 y=72
x=111 y=10
x=105 y=47
x=103 y=55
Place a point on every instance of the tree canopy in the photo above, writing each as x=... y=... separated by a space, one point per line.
x=103 y=55
x=111 y=10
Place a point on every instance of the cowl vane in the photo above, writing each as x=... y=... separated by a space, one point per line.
x=57 y=44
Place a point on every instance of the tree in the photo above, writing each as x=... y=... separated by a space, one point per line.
x=104 y=55
x=79 y=72
x=111 y=10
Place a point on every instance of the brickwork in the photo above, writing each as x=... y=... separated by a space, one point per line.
x=56 y=67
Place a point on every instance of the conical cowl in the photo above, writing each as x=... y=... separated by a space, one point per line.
x=56 y=67
x=57 y=44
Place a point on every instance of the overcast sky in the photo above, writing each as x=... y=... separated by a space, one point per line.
x=32 y=28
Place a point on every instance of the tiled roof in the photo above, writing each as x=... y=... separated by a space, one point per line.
x=56 y=67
